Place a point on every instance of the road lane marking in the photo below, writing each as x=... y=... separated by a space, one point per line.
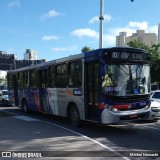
x=26 y=118
x=102 y=145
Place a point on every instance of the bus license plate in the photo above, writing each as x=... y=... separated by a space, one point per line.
x=133 y=116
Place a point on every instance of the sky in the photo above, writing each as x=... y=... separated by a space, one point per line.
x=59 y=28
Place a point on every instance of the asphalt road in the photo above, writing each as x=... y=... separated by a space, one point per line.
x=54 y=138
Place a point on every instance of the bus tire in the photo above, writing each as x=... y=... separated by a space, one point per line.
x=24 y=106
x=74 y=116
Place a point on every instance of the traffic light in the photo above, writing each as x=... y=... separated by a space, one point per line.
x=132 y=0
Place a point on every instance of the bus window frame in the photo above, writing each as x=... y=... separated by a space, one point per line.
x=31 y=79
x=62 y=78
x=72 y=78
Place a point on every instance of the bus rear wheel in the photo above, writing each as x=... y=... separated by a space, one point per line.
x=74 y=116
x=25 y=107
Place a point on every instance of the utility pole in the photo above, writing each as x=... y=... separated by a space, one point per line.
x=101 y=18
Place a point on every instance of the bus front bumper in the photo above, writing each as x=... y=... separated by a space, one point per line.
x=109 y=117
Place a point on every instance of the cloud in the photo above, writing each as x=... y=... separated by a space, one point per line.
x=153 y=29
x=133 y=26
x=49 y=38
x=10 y=50
x=14 y=4
x=50 y=14
x=63 y=49
x=109 y=40
x=140 y=25
x=96 y=19
x=109 y=35
x=86 y=32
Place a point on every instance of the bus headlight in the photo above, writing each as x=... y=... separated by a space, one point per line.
x=111 y=108
x=115 y=110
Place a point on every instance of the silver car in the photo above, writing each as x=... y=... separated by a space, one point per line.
x=155 y=104
x=4 y=97
x=155 y=110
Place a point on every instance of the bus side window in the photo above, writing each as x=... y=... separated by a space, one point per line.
x=10 y=81
x=61 y=76
x=52 y=77
x=20 y=79
x=26 y=79
x=33 y=78
x=75 y=74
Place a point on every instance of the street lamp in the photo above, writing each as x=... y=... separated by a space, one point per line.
x=101 y=18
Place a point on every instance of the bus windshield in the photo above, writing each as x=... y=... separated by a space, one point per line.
x=126 y=79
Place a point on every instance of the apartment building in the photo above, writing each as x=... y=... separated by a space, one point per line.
x=140 y=36
x=30 y=55
x=120 y=40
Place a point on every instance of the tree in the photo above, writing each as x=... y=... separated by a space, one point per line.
x=155 y=58
x=86 y=49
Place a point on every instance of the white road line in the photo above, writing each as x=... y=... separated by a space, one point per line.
x=27 y=118
x=102 y=145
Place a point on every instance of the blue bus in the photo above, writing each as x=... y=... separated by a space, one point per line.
x=106 y=86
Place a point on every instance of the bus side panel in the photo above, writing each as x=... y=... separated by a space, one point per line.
x=11 y=96
x=44 y=101
x=56 y=101
x=74 y=95
x=60 y=98
x=32 y=98
x=21 y=94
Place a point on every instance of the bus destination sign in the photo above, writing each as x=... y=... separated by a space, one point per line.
x=127 y=55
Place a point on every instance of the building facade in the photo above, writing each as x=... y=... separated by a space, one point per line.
x=120 y=40
x=30 y=55
x=140 y=36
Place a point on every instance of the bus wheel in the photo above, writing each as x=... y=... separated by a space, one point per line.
x=24 y=106
x=74 y=116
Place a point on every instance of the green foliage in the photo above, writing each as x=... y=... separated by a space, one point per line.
x=155 y=58
x=86 y=49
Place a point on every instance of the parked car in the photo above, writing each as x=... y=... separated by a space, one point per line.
x=4 y=97
x=155 y=110
x=155 y=95
x=155 y=104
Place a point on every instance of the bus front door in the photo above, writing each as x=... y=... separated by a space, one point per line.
x=92 y=69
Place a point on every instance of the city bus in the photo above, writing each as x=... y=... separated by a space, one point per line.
x=106 y=86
